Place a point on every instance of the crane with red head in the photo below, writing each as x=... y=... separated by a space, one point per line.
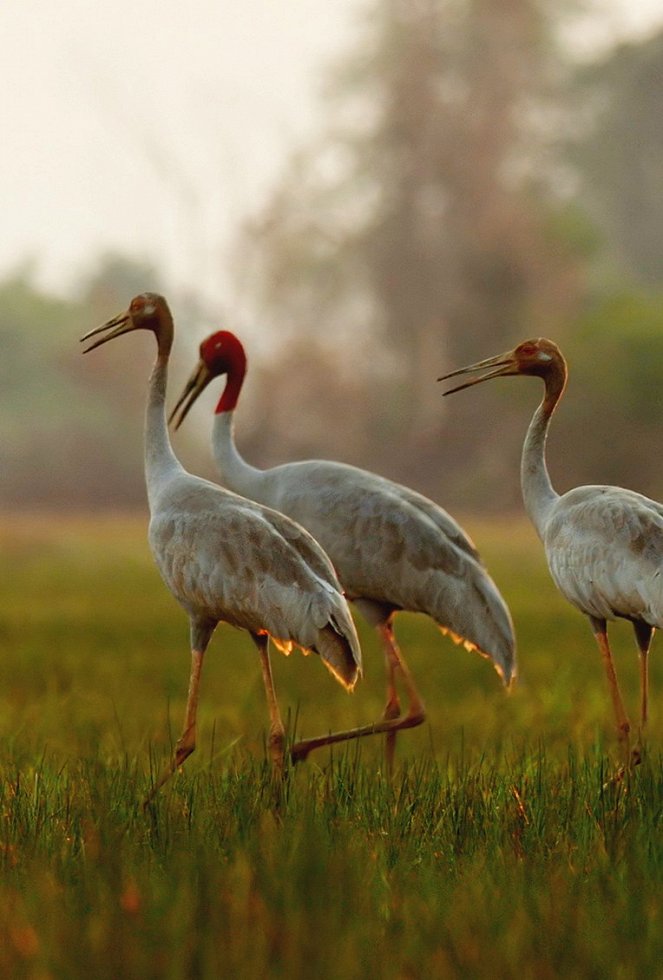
x=393 y=549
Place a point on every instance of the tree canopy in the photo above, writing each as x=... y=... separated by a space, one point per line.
x=473 y=188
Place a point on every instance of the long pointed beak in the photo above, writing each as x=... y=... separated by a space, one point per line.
x=122 y=323
x=194 y=387
x=493 y=367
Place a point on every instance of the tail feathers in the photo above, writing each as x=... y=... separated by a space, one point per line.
x=506 y=665
x=502 y=653
x=340 y=654
x=499 y=641
x=479 y=618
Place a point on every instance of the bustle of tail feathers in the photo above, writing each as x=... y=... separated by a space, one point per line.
x=504 y=666
x=338 y=656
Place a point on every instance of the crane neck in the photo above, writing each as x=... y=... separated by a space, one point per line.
x=160 y=460
x=539 y=496
x=236 y=474
x=231 y=391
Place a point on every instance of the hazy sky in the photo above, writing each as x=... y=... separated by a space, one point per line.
x=153 y=126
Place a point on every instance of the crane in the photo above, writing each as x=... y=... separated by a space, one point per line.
x=603 y=544
x=392 y=548
x=228 y=559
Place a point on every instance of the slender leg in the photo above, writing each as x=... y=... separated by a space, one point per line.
x=643 y=635
x=392 y=709
x=201 y=634
x=276 y=729
x=186 y=743
x=396 y=665
x=415 y=715
x=623 y=725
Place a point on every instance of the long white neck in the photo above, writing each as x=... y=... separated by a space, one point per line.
x=538 y=494
x=236 y=474
x=160 y=460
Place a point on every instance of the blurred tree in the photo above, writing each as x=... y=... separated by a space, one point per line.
x=435 y=224
x=618 y=152
x=71 y=427
x=612 y=416
x=422 y=228
x=32 y=390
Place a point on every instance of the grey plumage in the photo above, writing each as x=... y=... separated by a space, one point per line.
x=603 y=544
x=229 y=559
x=392 y=548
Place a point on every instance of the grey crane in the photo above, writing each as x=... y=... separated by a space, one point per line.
x=603 y=544
x=392 y=548
x=225 y=558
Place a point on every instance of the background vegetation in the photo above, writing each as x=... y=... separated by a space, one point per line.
x=502 y=847
x=477 y=184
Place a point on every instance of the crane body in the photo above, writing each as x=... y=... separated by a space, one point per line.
x=225 y=558
x=603 y=544
x=393 y=549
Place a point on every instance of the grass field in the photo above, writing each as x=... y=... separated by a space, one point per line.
x=502 y=848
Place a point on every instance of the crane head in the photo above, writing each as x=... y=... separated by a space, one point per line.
x=149 y=311
x=221 y=353
x=533 y=357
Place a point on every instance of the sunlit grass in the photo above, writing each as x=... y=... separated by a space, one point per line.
x=503 y=847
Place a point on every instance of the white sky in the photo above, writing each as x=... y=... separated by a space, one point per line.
x=154 y=126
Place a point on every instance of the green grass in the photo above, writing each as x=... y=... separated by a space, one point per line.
x=502 y=847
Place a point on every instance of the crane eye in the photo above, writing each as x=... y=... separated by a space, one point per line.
x=527 y=349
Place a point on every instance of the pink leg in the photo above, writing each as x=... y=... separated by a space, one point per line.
x=187 y=740
x=644 y=686
x=392 y=708
x=396 y=664
x=276 y=729
x=389 y=725
x=621 y=718
x=643 y=635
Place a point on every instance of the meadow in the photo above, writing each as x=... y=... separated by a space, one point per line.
x=504 y=845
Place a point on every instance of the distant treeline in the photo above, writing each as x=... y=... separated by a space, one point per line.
x=475 y=188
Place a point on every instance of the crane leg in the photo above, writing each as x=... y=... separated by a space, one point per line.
x=395 y=665
x=186 y=743
x=623 y=725
x=415 y=715
x=276 y=729
x=392 y=709
x=643 y=635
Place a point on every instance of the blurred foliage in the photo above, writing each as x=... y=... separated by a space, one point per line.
x=618 y=153
x=613 y=414
x=473 y=187
x=56 y=413
x=71 y=427
x=502 y=847
x=423 y=232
